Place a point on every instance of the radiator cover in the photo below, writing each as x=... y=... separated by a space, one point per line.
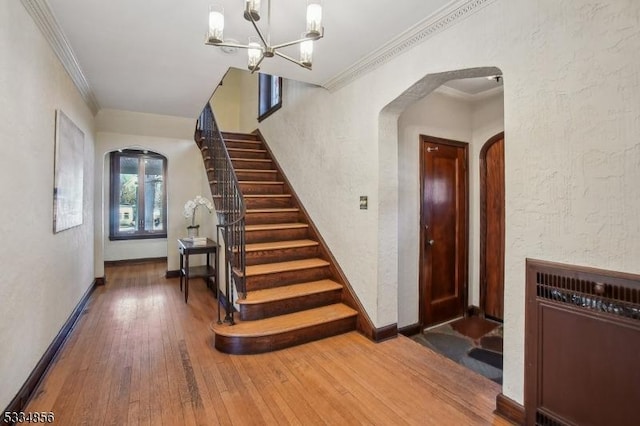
x=582 y=346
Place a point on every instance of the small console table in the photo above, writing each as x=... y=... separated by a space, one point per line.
x=208 y=271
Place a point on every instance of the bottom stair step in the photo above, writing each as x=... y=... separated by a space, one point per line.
x=287 y=299
x=252 y=337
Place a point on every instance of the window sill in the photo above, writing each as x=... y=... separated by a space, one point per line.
x=136 y=237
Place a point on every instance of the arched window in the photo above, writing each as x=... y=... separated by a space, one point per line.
x=138 y=196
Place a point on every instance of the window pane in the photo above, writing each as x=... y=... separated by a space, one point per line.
x=154 y=195
x=275 y=91
x=138 y=195
x=128 y=213
x=269 y=95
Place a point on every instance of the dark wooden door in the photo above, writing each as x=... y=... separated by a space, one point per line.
x=492 y=227
x=443 y=269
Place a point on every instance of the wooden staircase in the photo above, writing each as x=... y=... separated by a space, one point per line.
x=295 y=292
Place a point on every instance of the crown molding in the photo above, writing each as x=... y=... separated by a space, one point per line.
x=44 y=19
x=438 y=21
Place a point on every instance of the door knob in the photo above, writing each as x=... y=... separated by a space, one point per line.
x=430 y=242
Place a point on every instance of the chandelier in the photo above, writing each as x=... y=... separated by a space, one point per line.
x=260 y=47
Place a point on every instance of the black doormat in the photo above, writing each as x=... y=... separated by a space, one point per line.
x=488 y=357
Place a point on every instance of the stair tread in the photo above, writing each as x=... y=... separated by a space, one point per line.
x=289 y=291
x=274 y=226
x=256 y=170
x=277 y=267
x=242 y=140
x=286 y=323
x=267 y=196
x=274 y=210
x=251 y=160
x=261 y=151
x=263 y=182
x=279 y=245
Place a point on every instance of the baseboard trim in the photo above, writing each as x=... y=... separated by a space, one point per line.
x=509 y=409
x=174 y=273
x=473 y=311
x=410 y=330
x=385 y=333
x=98 y=281
x=23 y=396
x=134 y=261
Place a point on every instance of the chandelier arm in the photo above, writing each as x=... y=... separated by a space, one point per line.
x=291 y=43
x=289 y=58
x=264 y=41
x=224 y=44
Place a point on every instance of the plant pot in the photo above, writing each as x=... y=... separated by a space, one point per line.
x=193 y=231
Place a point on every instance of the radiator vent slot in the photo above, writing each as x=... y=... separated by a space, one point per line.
x=543 y=420
x=597 y=296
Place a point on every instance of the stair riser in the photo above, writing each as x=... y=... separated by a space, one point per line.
x=255 y=345
x=254 y=165
x=267 y=203
x=248 y=154
x=276 y=235
x=260 y=282
x=244 y=145
x=282 y=307
x=270 y=256
x=261 y=218
x=258 y=188
x=256 y=175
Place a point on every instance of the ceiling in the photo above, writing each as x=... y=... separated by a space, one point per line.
x=150 y=56
x=474 y=86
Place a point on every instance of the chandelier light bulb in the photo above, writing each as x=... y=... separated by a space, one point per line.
x=216 y=24
x=254 y=53
x=306 y=53
x=252 y=10
x=314 y=18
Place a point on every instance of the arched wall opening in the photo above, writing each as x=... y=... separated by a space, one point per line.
x=421 y=109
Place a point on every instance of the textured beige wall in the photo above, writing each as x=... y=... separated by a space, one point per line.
x=249 y=100
x=572 y=152
x=225 y=101
x=44 y=275
x=235 y=103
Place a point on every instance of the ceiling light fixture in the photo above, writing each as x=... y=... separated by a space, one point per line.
x=260 y=47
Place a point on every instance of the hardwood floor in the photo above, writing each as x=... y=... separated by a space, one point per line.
x=140 y=355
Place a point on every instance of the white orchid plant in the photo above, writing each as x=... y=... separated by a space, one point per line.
x=191 y=206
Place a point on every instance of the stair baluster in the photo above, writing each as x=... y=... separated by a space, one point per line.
x=230 y=208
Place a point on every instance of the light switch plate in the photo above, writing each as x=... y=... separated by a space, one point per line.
x=364 y=202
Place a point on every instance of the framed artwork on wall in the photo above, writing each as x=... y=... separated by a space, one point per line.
x=68 y=174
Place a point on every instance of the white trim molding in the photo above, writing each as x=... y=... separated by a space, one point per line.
x=44 y=19
x=439 y=21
